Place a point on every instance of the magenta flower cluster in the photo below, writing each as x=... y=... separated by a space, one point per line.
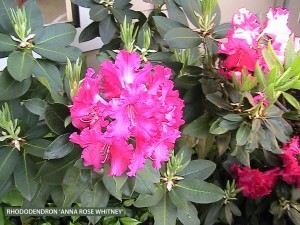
x=126 y=114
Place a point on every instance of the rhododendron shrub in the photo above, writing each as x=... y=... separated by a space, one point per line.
x=126 y=114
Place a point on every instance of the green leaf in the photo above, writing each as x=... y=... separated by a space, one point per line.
x=5 y=15
x=177 y=200
x=164 y=212
x=146 y=200
x=98 y=13
x=198 y=169
x=72 y=186
x=24 y=175
x=213 y=214
x=129 y=221
x=25 y=66
x=189 y=8
x=292 y=100
x=218 y=101
x=129 y=186
x=164 y=24
x=90 y=32
x=8 y=86
x=7 y=44
x=217 y=129
x=84 y=3
x=111 y=186
x=57 y=53
x=13 y=198
x=34 y=16
x=223 y=142
x=61 y=34
x=36 y=147
x=294 y=215
x=181 y=37
x=107 y=29
x=55 y=117
x=40 y=198
x=242 y=135
x=59 y=148
x=289 y=52
x=36 y=106
x=38 y=131
x=198 y=127
x=260 y=76
x=98 y=197
x=53 y=171
x=175 y=13
x=190 y=217
x=8 y=160
x=199 y=191
x=220 y=31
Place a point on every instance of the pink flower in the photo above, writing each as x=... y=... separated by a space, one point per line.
x=138 y=106
x=259 y=97
x=291 y=169
x=255 y=183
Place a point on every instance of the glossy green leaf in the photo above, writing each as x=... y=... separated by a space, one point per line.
x=38 y=131
x=199 y=191
x=5 y=15
x=8 y=86
x=57 y=53
x=7 y=44
x=146 y=200
x=36 y=106
x=36 y=147
x=40 y=198
x=181 y=37
x=260 y=76
x=90 y=32
x=190 y=217
x=218 y=101
x=55 y=117
x=221 y=30
x=198 y=169
x=289 y=52
x=294 y=215
x=164 y=24
x=129 y=186
x=72 y=186
x=164 y=212
x=35 y=19
x=13 y=198
x=129 y=221
x=233 y=117
x=107 y=29
x=175 y=13
x=110 y=185
x=178 y=201
x=98 y=13
x=59 y=148
x=61 y=34
x=242 y=135
x=25 y=64
x=217 y=129
x=24 y=175
x=189 y=8
x=8 y=160
x=53 y=171
x=198 y=127
x=292 y=100
x=84 y=3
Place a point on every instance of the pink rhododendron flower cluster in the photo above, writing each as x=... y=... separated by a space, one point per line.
x=247 y=38
x=126 y=115
x=257 y=184
x=291 y=169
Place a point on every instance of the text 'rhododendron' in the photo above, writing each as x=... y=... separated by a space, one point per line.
x=127 y=114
